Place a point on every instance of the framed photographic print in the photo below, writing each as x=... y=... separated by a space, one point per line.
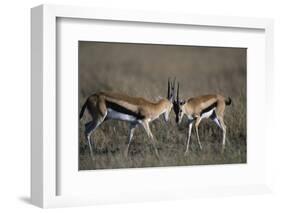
x=130 y=106
x=128 y=80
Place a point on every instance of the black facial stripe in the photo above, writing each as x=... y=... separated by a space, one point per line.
x=123 y=110
x=176 y=107
x=207 y=109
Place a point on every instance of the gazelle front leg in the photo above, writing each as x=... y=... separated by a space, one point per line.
x=148 y=131
x=131 y=134
x=197 y=122
x=188 y=138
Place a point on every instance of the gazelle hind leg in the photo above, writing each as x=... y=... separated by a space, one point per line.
x=197 y=122
x=223 y=127
x=188 y=137
x=89 y=129
x=215 y=119
x=131 y=134
x=217 y=122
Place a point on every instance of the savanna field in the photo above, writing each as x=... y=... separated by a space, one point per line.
x=143 y=70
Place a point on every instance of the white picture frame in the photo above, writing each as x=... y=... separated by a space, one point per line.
x=44 y=169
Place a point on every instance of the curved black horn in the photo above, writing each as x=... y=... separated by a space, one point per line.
x=168 y=96
x=174 y=83
x=178 y=92
x=174 y=89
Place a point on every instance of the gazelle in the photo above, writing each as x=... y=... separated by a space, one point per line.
x=136 y=111
x=197 y=108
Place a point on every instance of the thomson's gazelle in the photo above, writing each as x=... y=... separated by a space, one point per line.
x=197 y=108
x=134 y=110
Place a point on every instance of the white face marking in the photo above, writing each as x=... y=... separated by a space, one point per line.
x=112 y=114
x=207 y=114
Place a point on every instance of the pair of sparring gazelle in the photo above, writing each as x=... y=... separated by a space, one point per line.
x=138 y=111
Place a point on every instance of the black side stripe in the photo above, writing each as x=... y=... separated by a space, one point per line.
x=207 y=109
x=123 y=110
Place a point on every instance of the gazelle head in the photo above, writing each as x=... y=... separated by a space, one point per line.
x=170 y=97
x=178 y=107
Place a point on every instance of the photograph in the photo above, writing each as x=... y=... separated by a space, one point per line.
x=161 y=105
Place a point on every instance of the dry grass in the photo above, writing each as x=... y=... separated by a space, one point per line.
x=143 y=70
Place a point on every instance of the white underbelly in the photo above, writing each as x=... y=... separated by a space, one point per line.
x=112 y=114
x=208 y=114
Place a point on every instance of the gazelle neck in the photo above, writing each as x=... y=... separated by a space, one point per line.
x=159 y=108
x=187 y=109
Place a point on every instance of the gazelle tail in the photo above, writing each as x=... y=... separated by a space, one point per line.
x=228 y=102
x=83 y=109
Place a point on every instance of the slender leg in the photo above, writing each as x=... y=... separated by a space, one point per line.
x=220 y=123
x=89 y=129
x=215 y=119
x=197 y=122
x=147 y=129
x=85 y=142
x=188 y=137
x=131 y=134
x=217 y=122
x=224 y=133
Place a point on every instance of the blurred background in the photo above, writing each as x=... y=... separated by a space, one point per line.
x=143 y=70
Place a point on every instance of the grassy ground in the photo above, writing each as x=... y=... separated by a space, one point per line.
x=143 y=70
